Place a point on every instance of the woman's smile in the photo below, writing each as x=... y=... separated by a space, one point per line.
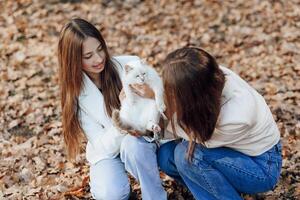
x=100 y=65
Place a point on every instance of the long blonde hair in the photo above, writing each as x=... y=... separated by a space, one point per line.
x=70 y=43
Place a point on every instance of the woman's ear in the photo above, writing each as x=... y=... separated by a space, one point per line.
x=127 y=69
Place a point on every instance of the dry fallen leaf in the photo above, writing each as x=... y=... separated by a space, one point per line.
x=259 y=40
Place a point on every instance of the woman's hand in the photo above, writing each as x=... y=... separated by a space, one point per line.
x=143 y=90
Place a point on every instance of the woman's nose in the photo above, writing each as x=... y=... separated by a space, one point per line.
x=99 y=57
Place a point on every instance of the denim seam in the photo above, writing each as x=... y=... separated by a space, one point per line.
x=211 y=188
x=200 y=160
x=212 y=191
x=268 y=173
x=240 y=170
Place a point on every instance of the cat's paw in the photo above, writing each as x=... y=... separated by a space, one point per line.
x=155 y=128
x=156 y=136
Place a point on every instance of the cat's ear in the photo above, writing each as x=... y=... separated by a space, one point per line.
x=128 y=68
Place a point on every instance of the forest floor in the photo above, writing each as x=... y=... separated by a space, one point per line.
x=259 y=40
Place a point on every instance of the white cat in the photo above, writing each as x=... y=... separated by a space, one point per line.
x=136 y=112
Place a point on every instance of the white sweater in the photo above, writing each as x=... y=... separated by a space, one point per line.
x=103 y=138
x=245 y=123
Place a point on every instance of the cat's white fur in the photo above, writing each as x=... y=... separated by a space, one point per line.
x=142 y=113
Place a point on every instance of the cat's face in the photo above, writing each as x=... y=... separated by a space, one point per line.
x=135 y=72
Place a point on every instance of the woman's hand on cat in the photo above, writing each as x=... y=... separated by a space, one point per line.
x=143 y=90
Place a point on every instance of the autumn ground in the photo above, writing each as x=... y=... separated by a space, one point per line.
x=260 y=40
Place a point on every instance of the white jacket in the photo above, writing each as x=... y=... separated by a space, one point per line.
x=245 y=122
x=103 y=138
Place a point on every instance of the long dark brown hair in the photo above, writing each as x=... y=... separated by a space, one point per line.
x=70 y=45
x=193 y=85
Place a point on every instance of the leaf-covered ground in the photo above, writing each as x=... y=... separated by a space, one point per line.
x=258 y=39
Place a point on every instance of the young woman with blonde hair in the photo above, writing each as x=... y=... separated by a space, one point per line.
x=231 y=142
x=90 y=89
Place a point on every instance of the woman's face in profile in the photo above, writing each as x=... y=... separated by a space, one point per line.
x=93 y=56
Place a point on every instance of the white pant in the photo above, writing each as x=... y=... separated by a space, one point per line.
x=109 y=180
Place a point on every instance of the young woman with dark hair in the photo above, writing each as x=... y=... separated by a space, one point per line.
x=231 y=143
x=90 y=89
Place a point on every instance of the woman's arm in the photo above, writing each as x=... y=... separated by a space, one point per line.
x=105 y=140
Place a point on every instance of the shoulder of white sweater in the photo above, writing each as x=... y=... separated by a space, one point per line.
x=239 y=103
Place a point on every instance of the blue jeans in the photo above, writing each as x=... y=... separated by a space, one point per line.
x=220 y=173
x=140 y=160
x=109 y=180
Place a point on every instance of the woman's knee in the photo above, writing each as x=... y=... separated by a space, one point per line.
x=197 y=158
x=128 y=142
x=111 y=192
x=134 y=147
x=108 y=180
x=180 y=157
x=165 y=156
